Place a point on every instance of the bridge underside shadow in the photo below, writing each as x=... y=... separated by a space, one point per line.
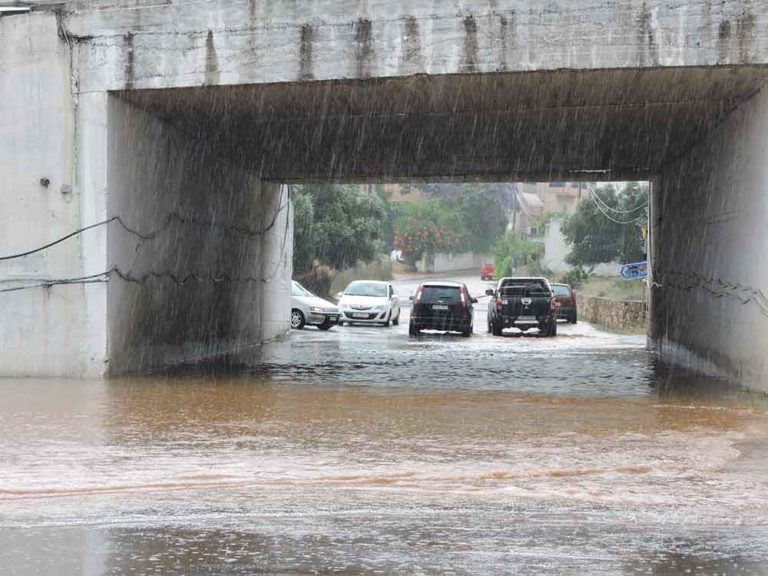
x=700 y=134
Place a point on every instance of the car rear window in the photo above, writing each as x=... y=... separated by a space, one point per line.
x=561 y=290
x=524 y=288
x=446 y=294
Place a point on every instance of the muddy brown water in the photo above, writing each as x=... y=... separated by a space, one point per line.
x=363 y=451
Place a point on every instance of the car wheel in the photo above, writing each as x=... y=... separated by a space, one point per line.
x=396 y=321
x=573 y=318
x=496 y=329
x=326 y=325
x=297 y=319
x=413 y=329
x=466 y=333
x=341 y=323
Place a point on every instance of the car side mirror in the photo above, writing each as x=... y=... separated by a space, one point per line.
x=473 y=300
x=489 y=292
x=410 y=297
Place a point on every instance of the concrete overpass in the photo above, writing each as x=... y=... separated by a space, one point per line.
x=186 y=119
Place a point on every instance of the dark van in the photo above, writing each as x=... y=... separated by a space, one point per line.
x=444 y=306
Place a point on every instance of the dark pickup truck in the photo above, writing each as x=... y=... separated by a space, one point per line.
x=522 y=303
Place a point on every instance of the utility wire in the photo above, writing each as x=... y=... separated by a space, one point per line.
x=593 y=190
x=611 y=218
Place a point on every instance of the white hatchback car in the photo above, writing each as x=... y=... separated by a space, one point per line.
x=306 y=308
x=369 y=302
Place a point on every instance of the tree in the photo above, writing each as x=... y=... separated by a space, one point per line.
x=606 y=226
x=427 y=228
x=303 y=230
x=481 y=209
x=513 y=251
x=341 y=226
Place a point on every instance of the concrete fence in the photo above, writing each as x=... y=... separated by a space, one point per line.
x=621 y=314
x=453 y=262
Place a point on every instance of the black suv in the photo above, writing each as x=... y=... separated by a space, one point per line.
x=442 y=306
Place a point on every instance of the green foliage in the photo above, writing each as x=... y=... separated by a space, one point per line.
x=317 y=279
x=346 y=226
x=577 y=276
x=473 y=212
x=380 y=269
x=606 y=228
x=428 y=227
x=513 y=251
x=303 y=228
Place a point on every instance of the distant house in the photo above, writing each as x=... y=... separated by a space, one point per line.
x=558 y=196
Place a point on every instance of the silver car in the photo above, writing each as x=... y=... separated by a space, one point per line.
x=306 y=308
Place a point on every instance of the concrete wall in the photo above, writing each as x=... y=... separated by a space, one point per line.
x=556 y=249
x=710 y=241
x=453 y=262
x=208 y=270
x=57 y=330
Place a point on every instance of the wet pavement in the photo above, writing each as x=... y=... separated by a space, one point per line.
x=361 y=451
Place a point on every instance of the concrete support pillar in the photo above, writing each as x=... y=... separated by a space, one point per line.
x=196 y=234
x=710 y=225
x=277 y=260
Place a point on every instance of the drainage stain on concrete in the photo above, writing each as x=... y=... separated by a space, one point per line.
x=413 y=58
x=365 y=52
x=306 y=52
x=211 y=62
x=745 y=33
x=507 y=39
x=128 y=60
x=647 y=42
x=723 y=42
x=469 y=55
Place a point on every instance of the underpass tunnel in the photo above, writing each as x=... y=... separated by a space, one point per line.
x=697 y=133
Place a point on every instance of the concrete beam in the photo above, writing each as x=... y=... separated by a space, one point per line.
x=124 y=44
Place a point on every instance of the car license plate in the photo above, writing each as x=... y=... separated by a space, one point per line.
x=333 y=318
x=359 y=315
x=439 y=307
x=504 y=302
x=526 y=318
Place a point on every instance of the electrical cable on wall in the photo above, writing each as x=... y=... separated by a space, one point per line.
x=144 y=278
x=169 y=219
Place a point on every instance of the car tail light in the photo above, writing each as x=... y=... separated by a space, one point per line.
x=553 y=304
x=463 y=299
x=417 y=300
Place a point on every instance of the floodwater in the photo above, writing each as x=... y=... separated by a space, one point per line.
x=359 y=451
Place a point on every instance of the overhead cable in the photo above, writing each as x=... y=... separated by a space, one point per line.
x=593 y=190
x=611 y=218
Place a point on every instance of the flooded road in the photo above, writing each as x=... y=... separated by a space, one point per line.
x=360 y=450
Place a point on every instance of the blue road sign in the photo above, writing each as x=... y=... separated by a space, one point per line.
x=634 y=271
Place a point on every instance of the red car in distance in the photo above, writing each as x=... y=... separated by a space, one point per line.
x=487 y=271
